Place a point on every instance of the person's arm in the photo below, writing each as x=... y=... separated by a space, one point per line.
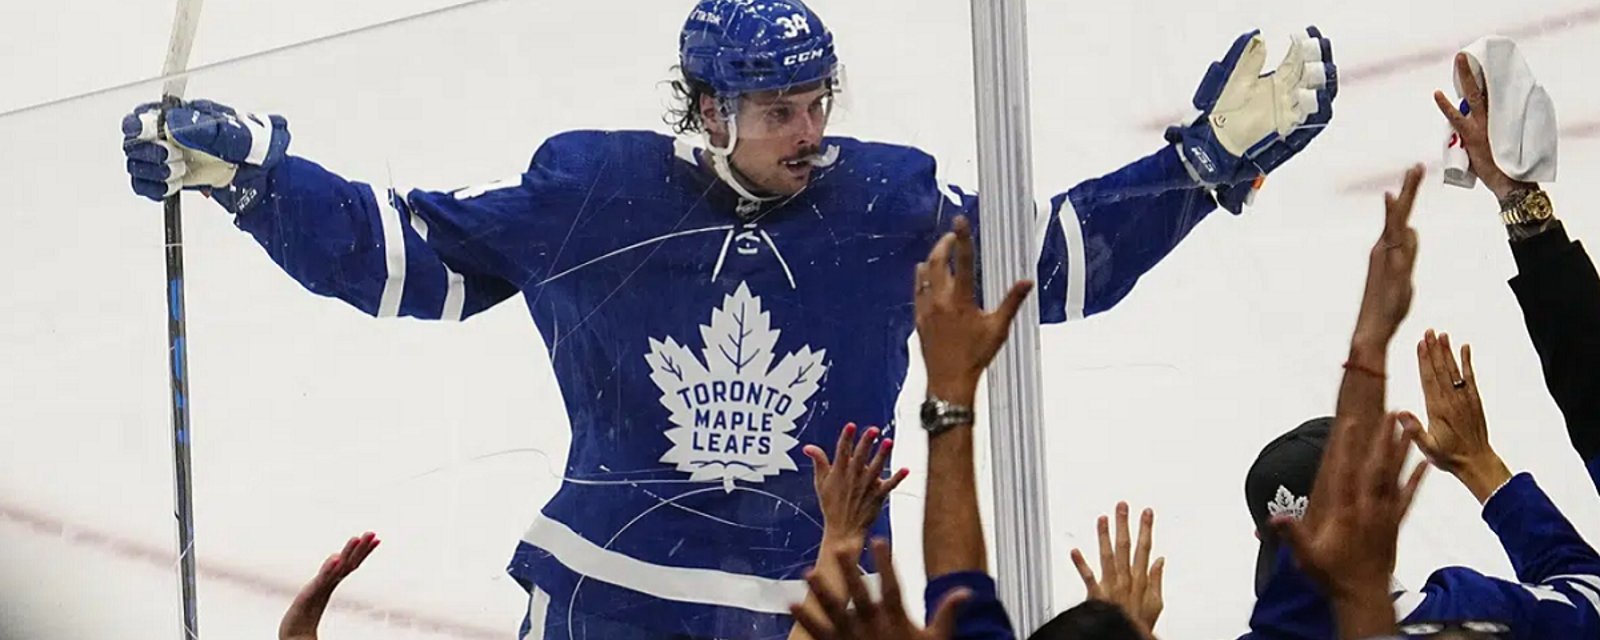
x=305 y=613
x=1556 y=284
x=1347 y=540
x=1558 y=595
x=1559 y=292
x=1097 y=239
x=422 y=254
x=1101 y=236
x=958 y=341
x=851 y=492
x=1105 y=233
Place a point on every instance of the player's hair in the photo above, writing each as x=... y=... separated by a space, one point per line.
x=684 y=115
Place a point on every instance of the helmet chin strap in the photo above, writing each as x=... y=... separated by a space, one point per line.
x=724 y=169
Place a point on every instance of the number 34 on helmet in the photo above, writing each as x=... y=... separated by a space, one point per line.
x=746 y=46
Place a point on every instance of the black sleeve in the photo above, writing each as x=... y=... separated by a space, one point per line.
x=1559 y=291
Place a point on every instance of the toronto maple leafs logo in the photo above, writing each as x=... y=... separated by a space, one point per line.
x=1287 y=504
x=733 y=412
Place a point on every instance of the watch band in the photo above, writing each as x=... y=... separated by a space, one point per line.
x=1525 y=206
x=939 y=416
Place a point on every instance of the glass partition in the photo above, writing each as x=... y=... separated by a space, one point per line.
x=655 y=467
x=1238 y=335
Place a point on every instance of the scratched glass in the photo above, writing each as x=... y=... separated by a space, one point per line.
x=685 y=343
x=1238 y=334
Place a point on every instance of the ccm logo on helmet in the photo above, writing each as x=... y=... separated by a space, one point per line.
x=799 y=58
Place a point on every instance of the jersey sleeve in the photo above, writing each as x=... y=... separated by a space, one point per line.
x=1107 y=232
x=1096 y=240
x=1541 y=542
x=1557 y=594
x=429 y=255
x=983 y=617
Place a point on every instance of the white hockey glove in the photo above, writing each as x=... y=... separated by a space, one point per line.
x=1248 y=123
x=207 y=146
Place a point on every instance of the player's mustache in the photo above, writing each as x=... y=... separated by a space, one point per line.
x=813 y=155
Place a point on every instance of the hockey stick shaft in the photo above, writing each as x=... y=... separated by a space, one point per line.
x=183 y=29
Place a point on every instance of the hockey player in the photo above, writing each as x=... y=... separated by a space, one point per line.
x=710 y=306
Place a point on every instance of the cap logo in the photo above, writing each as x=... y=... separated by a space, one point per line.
x=1287 y=504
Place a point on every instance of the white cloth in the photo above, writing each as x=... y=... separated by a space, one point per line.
x=1522 y=117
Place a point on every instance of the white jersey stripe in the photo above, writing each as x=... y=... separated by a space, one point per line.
x=680 y=584
x=394 y=253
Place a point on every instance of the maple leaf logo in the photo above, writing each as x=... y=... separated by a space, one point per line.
x=1287 y=504
x=733 y=411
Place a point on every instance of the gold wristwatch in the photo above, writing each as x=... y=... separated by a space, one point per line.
x=1525 y=206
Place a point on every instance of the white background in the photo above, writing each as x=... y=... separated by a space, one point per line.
x=314 y=422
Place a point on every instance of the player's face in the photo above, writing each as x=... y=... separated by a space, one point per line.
x=780 y=132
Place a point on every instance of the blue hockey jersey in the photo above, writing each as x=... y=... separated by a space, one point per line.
x=699 y=341
x=1557 y=594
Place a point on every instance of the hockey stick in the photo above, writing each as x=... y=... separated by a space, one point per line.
x=174 y=70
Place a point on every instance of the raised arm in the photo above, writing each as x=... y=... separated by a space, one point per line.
x=304 y=616
x=1558 y=595
x=1347 y=540
x=958 y=341
x=851 y=491
x=427 y=255
x=1100 y=237
x=1556 y=283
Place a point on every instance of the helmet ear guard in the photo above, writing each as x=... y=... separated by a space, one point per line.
x=728 y=112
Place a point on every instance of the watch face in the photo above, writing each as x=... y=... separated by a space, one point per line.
x=1539 y=206
x=930 y=412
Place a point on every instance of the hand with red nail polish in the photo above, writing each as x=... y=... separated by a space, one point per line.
x=851 y=488
x=851 y=491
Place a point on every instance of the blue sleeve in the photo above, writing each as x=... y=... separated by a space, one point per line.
x=1559 y=596
x=426 y=254
x=1106 y=233
x=1563 y=608
x=1291 y=606
x=1559 y=592
x=1101 y=236
x=983 y=617
x=1540 y=541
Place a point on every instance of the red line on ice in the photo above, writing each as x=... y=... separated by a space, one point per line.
x=238 y=577
x=1388 y=180
x=1436 y=55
